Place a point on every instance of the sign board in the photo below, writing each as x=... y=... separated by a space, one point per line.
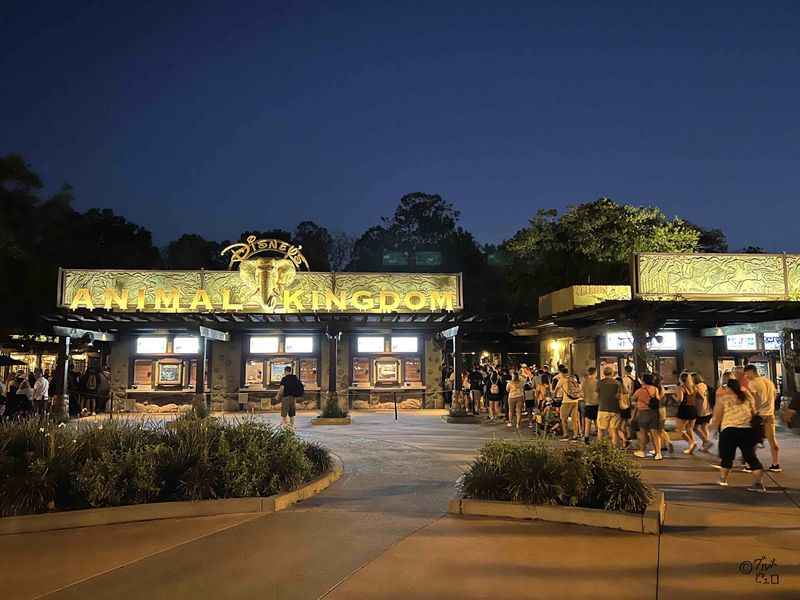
x=261 y=284
x=741 y=341
x=772 y=341
x=742 y=277
x=622 y=341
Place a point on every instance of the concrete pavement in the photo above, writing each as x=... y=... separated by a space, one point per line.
x=380 y=532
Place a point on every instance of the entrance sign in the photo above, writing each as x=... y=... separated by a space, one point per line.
x=264 y=288
x=730 y=277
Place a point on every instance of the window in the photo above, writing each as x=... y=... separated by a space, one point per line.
x=744 y=341
x=264 y=344
x=299 y=344
x=151 y=345
x=370 y=344
x=186 y=345
x=622 y=341
x=404 y=344
x=254 y=372
x=772 y=340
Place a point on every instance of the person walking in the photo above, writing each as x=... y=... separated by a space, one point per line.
x=609 y=393
x=291 y=391
x=687 y=410
x=494 y=394
x=591 y=403
x=568 y=391
x=764 y=394
x=666 y=442
x=732 y=417
x=40 y=393
x=647 y=402
x=475 y=388
x=516 y=399
x=629 y=385
x=703 y=410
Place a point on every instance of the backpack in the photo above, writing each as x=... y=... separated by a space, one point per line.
x=652 y=404
x=494 y=388
x=299 y=388
x=91 y=382
x=574 y=390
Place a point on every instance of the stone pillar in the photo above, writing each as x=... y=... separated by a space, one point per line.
x=119 y=362
x=434 y=398
x=343 y=371
x=226 y=372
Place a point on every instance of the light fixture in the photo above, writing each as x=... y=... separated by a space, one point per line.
x=554 y=345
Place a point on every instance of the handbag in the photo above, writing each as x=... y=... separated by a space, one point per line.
x=757 y=424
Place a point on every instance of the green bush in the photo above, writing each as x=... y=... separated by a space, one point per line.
x=535 y=472
x=47 y=467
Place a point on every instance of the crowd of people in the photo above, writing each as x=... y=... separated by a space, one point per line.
x=28 y=394
x=630 y=411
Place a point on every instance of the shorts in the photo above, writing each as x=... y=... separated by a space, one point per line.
x=687 y=412
x=569 y=407
x=648 y=419
x=288 y=406
x=768 y=425
x=702 y=420
x=731 y=438
x=625 y=413
x=590 y=412
x=607 y=420
x=515 y=407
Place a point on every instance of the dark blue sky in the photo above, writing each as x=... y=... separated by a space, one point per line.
x=217 y=117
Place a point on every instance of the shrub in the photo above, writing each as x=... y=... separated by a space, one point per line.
x=45 y=467
x=537 y=473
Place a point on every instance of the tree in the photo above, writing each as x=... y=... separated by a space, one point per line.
x=191 y=251
x=589 y=243
x=752 y=250
x=711 y=240
x=316 y=244
x=340 y=250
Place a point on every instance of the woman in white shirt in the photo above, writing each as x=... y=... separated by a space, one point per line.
x=733 y=413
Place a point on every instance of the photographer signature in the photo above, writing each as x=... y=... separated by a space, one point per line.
x=764 y=570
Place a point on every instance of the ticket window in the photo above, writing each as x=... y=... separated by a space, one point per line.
x=387 y=372
x=412 y=371
x=361 y=372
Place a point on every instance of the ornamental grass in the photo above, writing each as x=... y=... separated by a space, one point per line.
x=536 y=472
x=46 y=467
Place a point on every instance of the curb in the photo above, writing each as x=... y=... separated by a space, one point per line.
x=470 y=420
x=649 y=523
x=331 y=421
x=169 y=510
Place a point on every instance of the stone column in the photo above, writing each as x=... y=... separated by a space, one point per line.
x=343 y=371
x=119 y=362
x=226 y=372
x=434 y=398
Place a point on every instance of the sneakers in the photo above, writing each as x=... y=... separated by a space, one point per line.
x=658 y=457
x=689 y=450
x=775 y=469
x=566 y=438
x=707 y=445
x=722 y=482
x=746 y=469
x=640 y=454
x=758 y=488
x=508 y=424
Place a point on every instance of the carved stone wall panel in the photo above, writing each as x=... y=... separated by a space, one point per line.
x=699 y=276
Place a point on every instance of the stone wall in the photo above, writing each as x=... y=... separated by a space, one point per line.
x=433 y=373
x=226 y=366
x=698 y=356
x=584 y=355
x=118 y=364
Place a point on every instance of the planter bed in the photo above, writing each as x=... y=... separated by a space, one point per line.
x=648 y=523
x=331 y=421
x=69 y=519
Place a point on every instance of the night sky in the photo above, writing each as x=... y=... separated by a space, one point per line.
x=213 y=118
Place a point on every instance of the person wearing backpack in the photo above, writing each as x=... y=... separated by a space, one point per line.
x=647 y=403
x=493 y=393
x=291 y=391
x=568 y=390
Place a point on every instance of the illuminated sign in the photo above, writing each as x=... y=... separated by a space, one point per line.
x=262 y=289
x=622 y=341
x=717 y=276
x=741 y=341
x=772 y=341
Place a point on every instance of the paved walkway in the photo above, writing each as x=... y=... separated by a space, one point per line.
x=381 y=532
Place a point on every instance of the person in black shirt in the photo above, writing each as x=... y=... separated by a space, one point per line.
x=291 y=389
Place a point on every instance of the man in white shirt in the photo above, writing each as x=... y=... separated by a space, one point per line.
x=764 y=392
x=41 y=392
